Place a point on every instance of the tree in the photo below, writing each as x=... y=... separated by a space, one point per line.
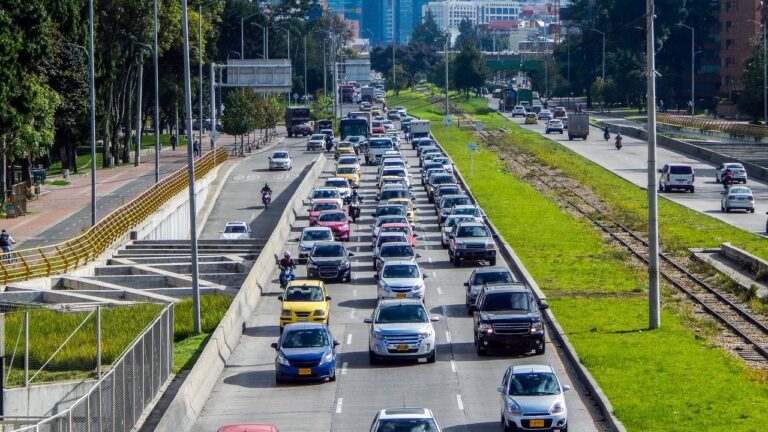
x=751 y=101
x=470 y=62
x=427 y=32
x=466 y=31
x=400 y=76
x=241 y=115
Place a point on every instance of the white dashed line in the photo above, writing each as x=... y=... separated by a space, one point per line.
x=344 y=368
x=439 y=290
x=352 y=314
x=354 y=292
x=429 y=259
x=448 y=336
x=459 y=403
x=340 y=402
x=349 y=339
x=453 y=367
x=434 y=274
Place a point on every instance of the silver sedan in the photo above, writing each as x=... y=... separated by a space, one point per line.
x=738 y=198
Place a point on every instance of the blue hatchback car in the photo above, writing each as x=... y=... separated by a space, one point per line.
x=305 y=351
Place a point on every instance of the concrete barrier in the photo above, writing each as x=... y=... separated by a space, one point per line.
x=199 y=383
x=555 y=330
x=757 y=265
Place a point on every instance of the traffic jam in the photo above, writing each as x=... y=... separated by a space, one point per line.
x=386 y=201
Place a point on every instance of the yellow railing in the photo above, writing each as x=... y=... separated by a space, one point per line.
x=714 y=125
x=26 y=264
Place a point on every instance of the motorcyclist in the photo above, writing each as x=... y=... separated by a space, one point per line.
x=286 y=262
x=607 y=133
x=354 y=202
x=266 y=189
x=727 y=179
x=618 y=140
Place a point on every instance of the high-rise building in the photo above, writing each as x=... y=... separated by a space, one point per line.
x=372 y=21
x=449 y=14
x=739 y=23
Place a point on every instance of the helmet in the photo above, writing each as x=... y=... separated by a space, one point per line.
x=287 y=254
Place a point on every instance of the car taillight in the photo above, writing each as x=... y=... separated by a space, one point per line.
x=693 y=177
x=669 y=176
x=731 y=197
x=750 y=198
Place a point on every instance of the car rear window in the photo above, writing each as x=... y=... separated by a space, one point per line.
x=680 y=169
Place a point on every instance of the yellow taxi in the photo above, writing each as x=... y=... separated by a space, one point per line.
x=343 y=148
x=410 y=210
x=304 y=301
x=349 y=172
x=530 y=118
x=389 y=179
x=375 y=112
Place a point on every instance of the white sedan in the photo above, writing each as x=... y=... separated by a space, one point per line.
x=236 y=230
x=280 y=159
x=738 y=198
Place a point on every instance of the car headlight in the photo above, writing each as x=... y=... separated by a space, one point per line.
x=490 y=245
x=344 y=265
x=318 y=312
x=305 y=248
x=557 y=408
x=514 y=408
x=286 y=313
x=537 y=328
x=485 y=328
x=282 y=360
x=474 y=289
x=312 y=265
x=377 y=335
x=426 y=334
x=460 y=244
x=327 y=358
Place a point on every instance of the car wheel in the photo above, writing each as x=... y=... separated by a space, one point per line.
x=433 y=357
x=565 y=429
x=444 y=245
x=372 y=359
x=481 y=351
x=349 y=276
x=722 y=209
x=751 y=210
x=278 y=380
x=456 y=261
x=492 y=262
x=666 y=188
x=333 y=377
x=692 y=189
x=541 y=350
x=450 y=256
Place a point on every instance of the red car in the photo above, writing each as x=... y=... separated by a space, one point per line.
x=255 y=427
x=377 y=127
x=400 y=227
x=337 y=221
x=321 y=205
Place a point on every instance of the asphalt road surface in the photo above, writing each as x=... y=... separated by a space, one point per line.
x=631 y=162
x=460 y=387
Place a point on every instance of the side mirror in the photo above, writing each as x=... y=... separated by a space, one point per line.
x=661 y=171
x=566 y=387
x=466 y=284
x=418 y=255
x=543 y=305
x=269 y=157
x=424 y=276
x=368 y=320
x=274 y=345
x=328 y=298
x=376 y=276
x=373 y=215
x=500 y=389
x=336 y=343
x=280 y=298
x=415 y=235
x=434 y=318
x=371 y=225
x=350 y=254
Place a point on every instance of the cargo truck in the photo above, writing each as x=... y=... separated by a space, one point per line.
x=578 y=125
x=420 y=129
x=294 y=118
x=366 y=94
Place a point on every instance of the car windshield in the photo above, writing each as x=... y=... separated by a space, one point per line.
x=472 y=211
x=400 y=271
x=442 y=179
x=454 y=201
x=402 y=314
x=328 y=251
x=346 y=170
x=677 y=169
x=432 y=165
x=390 y=251
x=304 y=294
x=734 y=166
x=507 y=301
x=380 y=144
x=394 y=193
x=337 y=183
x=310 y=338
x=326 y=193
x=533 y=384
x=325 y=206
x=739 y=190
x=391 y=219
x=235 y=229
x=402 y=229
x=347 y=161
x=452 y=190
x=353 y=139
x=493 y=277
x=389 y=239
x=280 y=155
x=451 y=221
x=317 y=137
x=472 y=231
x=393 y=172
x=406 y=425
x=332 y=217
x=391 y=210
x=316 y=235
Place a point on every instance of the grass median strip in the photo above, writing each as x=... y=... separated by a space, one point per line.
x=670 y=379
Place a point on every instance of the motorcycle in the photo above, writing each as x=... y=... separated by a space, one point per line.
x=266 y=199
x=286 y=276
x=606 y=135
x=618 y=142
x=354 y=211
x=727 y=182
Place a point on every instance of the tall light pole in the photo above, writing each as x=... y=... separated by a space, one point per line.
x=156 y=121
x=765 y=73
x=306 y=101
x=693 y=69
x=92 y=85
x=654 y=300
x=242 y=34
x=287 y=51
x=190 y=171
x=264 y=46
x=394 y=40
x=447 y=44
x=602 y=33
x=139 y=93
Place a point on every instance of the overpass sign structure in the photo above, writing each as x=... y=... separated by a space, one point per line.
x=264 y=76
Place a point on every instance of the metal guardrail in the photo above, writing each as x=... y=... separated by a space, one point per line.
x=26 y=264
x=713 y=125
x=119 y=398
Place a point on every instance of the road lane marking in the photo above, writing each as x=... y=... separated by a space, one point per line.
x=354 y=292
x=448 y=336
x=439 y=290
x=349 y=339
x=429 y=259
x=344 y=368
x=340 y=402
x=458 y=402
x=352 y=314
x=453 y=366
x=434 y=274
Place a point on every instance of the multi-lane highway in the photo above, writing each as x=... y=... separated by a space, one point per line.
x=631 y=161
x=460 y=387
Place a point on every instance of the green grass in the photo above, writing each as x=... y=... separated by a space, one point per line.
x=120 y=326
x=665 y=380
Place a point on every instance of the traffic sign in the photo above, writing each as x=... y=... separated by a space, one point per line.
x=447 y=120
x=479 y=126
x=472 y=147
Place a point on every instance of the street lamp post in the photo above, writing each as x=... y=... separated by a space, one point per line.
x=264 y=46
x=306 y=101
x=693 y=69
x=288 y=50
x=242 y=34
x=139 y=92
x=654 y=300
x=157 y=92
x=92 y=85
x=602 y=33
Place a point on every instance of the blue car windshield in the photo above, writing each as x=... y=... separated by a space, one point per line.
x=309 y=338
x=406 y=425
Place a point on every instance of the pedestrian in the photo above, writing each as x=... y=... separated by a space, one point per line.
x=196 y=148
x=5 y=242
x=173 y=142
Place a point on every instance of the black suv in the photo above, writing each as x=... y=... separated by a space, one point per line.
x=329 y=260
x=508 y=317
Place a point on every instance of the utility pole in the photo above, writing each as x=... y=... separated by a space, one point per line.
x=306 y=102
x=157 y=94
x=139 y=89
x=693 y=69
x=213 y=106
x=447 y=43
x=654 y=306
x=602 y=33
x=92 y=85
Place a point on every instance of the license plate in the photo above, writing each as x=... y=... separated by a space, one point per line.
x=308 y=371
x=400 y=295
x=301 y=320
x=536 y=423
x=402 y=347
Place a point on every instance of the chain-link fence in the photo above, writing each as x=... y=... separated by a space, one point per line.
x=120 y=396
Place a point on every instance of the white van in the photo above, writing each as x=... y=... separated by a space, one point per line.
x=676 y=176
